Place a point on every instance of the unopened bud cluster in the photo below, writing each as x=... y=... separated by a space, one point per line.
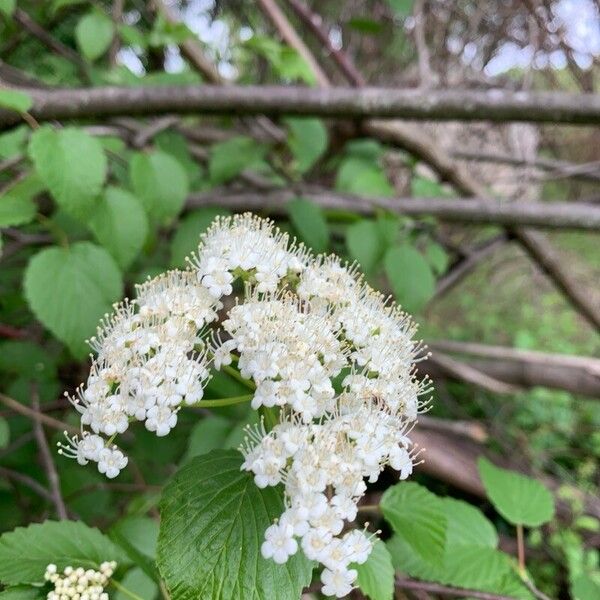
x=332 y=358
x=79 y=583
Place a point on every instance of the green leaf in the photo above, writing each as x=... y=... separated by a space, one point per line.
x=7 y=7
x=519 y=499
x=376 y=576
x=437 y=257
x=309 y=221
x=187 y=235
x=72 y=164
x=138 y=536
x=25 y=552
x=131 y=36
x=362 y=177
x=585 y=588
x=161 y=183
x=229 y=158
x=15 y=99
x=307 y=141
x=4 y=433
x=94 y=34
x=16 y=211
x=12 y=142
x=213 y=519
x=410 y=276
x=26 y=359
x=23 y=592
x=418 y=517
x=209 y=434
x=136 y=580
x=402 y=8
x=120 y=224
x=467 y=525
x=365 y=244
x=69 y=289
x=422 y=187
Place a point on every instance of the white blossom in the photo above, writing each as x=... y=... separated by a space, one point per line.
x=79 y=583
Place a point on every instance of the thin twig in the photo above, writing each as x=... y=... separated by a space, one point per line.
x=47 y=460
x=27 y=481
x=444 y=590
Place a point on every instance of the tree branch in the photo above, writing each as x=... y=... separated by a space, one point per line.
x=337 y=102
x=444 y=590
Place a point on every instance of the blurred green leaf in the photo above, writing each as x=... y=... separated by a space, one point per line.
x=438 y=257
x=422 y=187
x=15 y=99
x=364 y=243
x=137 y=580
x=401 y=8
x=519 y=499
x=120 y=224
x=376 y=576
x=7 y=7
x=585 y=588
x=365 y=25
x=25 y=552
x=94 y=34
x=417 y=516
x=209 y=434
x=362 y=177
x=72 y=164
x=23 y=592
x=132 y=36
x=229 y=158
x=69 y=289
x=12 y=143
x=4 y=433
x=410 y=276
x=161 y=183
x=187 y=235
x=310 y=223
x=307 y=140
x=16 y=211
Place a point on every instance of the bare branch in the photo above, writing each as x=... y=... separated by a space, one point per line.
x=444 y=590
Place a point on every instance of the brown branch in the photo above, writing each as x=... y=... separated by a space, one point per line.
x=444 y=590
x=477 y=210
x=470 y=429
x=47 y=460
x=338 y=102
x=27 y=481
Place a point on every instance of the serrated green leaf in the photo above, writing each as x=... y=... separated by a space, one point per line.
x=376 y=576
x=4 y=433
x=209 y=434
x=437 y=257
x=161 y=183
x=365 y=244
x=23 y=592
x=94 y=34
x=467 y=525
x=15 y=99
x=72 y=164
x=25 y=552
x=213 y=518
x=69 y=289
x=308 y=220
x=410 y=276
x=16 y=211
x=418 y=517
x=231 y=157
x=307 y=140
x=519 y=499
x=120 y=224
x=187 y=235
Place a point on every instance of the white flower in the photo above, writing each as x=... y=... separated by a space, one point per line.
x=111 y=462
x=279 y=542
x=338 y=583
x=79 y=584
x=359 y=546
x=161 y=419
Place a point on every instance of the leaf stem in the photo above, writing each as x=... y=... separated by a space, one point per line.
x=224 y=401
x=521 y=550
x=125 y=591
x=235 y=374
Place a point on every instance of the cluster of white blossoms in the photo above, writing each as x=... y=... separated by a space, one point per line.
x=332 y=361
x=79 y=584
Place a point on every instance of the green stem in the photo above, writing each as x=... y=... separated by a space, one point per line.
x=270 y=415
x=235 y=374
x=125 y=591
x=224 y=401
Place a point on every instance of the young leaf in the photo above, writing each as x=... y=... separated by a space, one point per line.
x=72 y=164
x=309 y=221
x=69 y=289
x=213 y=519
x=94 y=33
x=15 y=99
x=376 y=576
x=519 y=499
x=307 y=141
x=161 y=183
x=410 y=276
x=230 y=158
x=364 y=243
x=25 y=552
x=187 y=236
x=418 y=517
x=120 y=224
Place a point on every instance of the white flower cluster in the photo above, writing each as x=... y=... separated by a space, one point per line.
x=145 y=368
x=332 y=360
x=79 y=584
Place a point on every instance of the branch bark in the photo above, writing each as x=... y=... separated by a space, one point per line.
x=335 y=102
x=476 y=210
